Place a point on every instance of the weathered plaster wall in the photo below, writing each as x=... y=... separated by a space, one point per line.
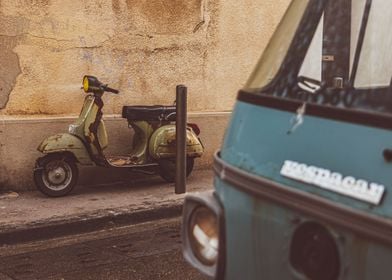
x=142 y=47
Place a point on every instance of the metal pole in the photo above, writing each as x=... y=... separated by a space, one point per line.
x=181 y=120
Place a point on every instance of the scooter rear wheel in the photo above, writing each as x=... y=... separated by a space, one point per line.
x=167 y=168
x=56 y=175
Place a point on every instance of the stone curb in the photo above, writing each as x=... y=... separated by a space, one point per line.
x=86 y=224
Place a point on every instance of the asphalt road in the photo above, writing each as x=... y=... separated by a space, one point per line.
x=146 y=251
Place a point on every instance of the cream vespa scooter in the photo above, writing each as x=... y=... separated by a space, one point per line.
x=153 y=146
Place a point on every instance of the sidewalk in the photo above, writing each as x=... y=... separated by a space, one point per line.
x=31 y=216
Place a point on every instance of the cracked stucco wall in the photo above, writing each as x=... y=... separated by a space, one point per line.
x=142 y=47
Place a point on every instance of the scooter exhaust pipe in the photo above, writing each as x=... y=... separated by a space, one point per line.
x=181 y=121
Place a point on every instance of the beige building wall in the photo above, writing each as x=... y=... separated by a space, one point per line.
x=142 y=47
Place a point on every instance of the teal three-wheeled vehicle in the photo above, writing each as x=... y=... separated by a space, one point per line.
x=303 y=181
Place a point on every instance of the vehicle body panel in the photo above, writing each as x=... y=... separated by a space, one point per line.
x=143 y=131
x=163 y=143
x=357 y=150
x=258 y=236
x=66 y=142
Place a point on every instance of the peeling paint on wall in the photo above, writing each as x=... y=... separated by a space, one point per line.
x=9 y=67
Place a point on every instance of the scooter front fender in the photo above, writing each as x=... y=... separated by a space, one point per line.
x=65 y=142
x=163 y=143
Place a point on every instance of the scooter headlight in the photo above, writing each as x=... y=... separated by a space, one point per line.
x=85 y=84
x=204 y=235
x=91 y=84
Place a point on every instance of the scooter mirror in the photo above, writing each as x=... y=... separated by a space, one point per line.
x=91 y=84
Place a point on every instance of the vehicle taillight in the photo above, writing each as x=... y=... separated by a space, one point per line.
x=195 y=128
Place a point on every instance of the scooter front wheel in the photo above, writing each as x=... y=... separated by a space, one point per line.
x=167 y=168
x=55 y=175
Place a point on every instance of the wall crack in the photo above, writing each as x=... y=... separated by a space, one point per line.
x=35 y=36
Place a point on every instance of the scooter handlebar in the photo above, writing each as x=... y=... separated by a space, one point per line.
x=112 y=90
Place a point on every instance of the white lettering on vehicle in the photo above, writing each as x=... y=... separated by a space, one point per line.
x=333 y=181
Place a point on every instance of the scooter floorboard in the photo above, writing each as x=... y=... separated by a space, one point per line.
x=127 y=162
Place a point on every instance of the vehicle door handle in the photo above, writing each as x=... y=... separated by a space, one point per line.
x=387 y=153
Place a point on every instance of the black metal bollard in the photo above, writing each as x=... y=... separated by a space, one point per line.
x=181 y=120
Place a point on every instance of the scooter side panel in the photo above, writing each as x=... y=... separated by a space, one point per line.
x=143 y=131
x=66 y=142
x=163 y=143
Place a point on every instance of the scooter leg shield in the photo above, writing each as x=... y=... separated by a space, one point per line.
x=66 y=142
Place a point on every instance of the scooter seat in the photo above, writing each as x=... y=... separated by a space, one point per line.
x=149 y=113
